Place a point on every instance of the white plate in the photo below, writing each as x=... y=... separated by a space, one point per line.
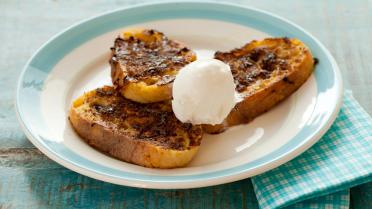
x=76 y=61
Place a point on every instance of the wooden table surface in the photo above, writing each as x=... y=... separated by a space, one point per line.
x=28 y=179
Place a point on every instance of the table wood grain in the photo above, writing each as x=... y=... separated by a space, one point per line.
x=28 y=179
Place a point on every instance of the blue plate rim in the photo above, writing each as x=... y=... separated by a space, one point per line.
x=145 y=181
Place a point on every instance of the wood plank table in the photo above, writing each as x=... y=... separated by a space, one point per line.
x=28 y=179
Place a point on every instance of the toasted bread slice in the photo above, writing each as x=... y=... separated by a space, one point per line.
x=144 y=134
x=144 y=64
x=265 y=73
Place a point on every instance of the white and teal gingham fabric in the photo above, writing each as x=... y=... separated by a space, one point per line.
x=321 y=177
x=338 y=200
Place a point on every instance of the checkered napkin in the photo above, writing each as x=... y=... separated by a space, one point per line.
x=321 y=177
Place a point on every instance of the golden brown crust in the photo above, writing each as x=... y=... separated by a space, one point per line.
x=265 y=72
x=144 y=63
x=144 y=134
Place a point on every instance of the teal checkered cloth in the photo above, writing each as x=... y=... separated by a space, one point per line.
x=321 y=177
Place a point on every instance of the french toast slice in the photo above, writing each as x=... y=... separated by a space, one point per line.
x=265 y=73
x=144 y=64
x=144 y=134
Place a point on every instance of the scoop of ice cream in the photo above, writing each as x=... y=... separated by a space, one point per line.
x=203 y=92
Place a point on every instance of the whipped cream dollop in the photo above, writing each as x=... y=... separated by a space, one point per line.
x=204 y=92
